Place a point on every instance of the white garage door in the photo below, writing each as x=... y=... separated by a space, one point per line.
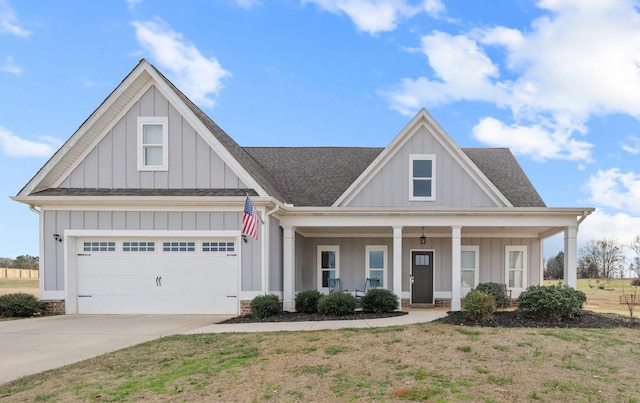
x=157 y=276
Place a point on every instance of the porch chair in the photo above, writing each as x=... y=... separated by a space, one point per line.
x=369 y=284
x=334 y=285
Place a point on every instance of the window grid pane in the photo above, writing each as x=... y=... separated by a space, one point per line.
x=422 y=169
x=468 y=278
x=138 y=246
x=376 y=259
x=102 y=246
x=178 y=246
x=422 y=187
x=152 y=134
x=153 y=155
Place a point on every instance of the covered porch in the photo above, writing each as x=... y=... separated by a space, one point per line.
x=459 y=249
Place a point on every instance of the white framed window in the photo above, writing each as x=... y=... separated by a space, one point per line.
x=516 y=266
x=328 y=265
x=153 y=149
x=422 y=177
x=138 y=246
x=376 y=263
x=218 y=246
x=99 y=246
x=179 y=246
x=469 y=263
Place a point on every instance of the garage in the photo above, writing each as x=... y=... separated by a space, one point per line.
x=157 y=275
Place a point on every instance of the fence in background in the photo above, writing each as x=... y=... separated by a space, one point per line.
x=19 y=273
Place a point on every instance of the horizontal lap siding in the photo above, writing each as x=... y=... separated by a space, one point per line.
x=56 y=222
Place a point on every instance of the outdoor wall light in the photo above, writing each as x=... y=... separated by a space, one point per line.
x=57 y=237
x=423 y=238
x=244 y=238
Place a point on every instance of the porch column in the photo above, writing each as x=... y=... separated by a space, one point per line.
x=397 y=264
x=570 y=256
x=288 y=268
x=456 y=271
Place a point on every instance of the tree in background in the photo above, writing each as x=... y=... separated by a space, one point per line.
x=587 y=269
x=605 y=255
x=20 y=262
x=555 y=267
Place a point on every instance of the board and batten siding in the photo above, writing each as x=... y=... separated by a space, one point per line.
x=113 y=163
x=57 y=221
x=275 y=255
x=390 y=186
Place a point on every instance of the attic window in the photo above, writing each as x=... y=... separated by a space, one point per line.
x=152 y=143
x=422 y=176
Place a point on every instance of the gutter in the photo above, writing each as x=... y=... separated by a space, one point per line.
x=34 y=209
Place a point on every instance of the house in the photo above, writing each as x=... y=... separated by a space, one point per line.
x=141 y=209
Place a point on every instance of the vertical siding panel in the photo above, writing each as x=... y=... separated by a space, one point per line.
x=147 y=106
x=161 y=104
x=132 y=221
x=275 y=255
x=174 y=220
x=188 y=221
x=119 y=156
x=160 y=220
x=119 y=220
x=76 y=220
x=232 y=221
x=91 y=170
x=91 y=220
x=105 y=220
x=76 y=178
x=216 y=220
x=175 y=149
x=188 y=156
x=63 y=221
x=50 y=246
x=131 y=144
x=148 y=220
x=202 y=221
x=105 y=162
x=203 y=170
x=231 y=181
x=217 y=171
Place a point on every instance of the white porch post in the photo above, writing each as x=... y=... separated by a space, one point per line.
x=288 y=268
x=397 y=263
x=570 y=256
x=456 y=270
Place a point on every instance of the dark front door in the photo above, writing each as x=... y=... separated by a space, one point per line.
x=422 y=272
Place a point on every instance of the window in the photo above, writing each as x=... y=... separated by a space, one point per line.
x=328 y=264
x=376 y=263
x=152 y=143
x=469 y=265
x=218 y=246
x=138 y=246
x=422 y=174
x=99 y=246
x=516 y=262
x=178 y=246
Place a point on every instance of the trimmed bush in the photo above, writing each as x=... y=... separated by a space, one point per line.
x=379 y=300
x=337 y=304
x=478 y=306
x=19 y=305
x=264 y=306
x=496 y=291
x=307 y=301
x=555 y=302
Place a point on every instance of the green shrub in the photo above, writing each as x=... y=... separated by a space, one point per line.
x=337 y=304
x=555 y=302
x=263 y=306
x=379 y=300
x=19 y=305
x=307 y=301
x=496 y=291
x=478 y=306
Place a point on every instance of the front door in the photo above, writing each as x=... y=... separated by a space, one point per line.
x=422 y=277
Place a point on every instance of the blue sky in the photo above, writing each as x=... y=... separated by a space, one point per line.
x=557 y=81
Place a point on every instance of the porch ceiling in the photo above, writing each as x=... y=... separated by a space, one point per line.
x=434 y=232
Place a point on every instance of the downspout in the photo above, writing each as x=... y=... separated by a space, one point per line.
x=265 y=284
x=585 y=214
x=34 y=209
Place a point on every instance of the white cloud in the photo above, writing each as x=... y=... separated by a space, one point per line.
x=632 y=145
x=247 y=3
x=133 y=3
x=616 y=189
x=14 y=146
x=198 y=76
x=581 y=59
x=9 y=22
x=535 y=141
x=375 y=16
x=9 y=67
x=599 y=225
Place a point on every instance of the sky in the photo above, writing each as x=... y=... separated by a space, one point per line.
x=556 y=81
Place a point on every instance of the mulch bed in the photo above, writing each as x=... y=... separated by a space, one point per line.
x=588 y=319
x=305 y=317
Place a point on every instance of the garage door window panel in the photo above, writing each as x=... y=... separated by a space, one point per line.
x=99 y=246
x=179 y=246
x=138 y=246
x=218 y=246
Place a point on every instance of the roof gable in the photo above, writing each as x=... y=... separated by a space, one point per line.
x=421 y=123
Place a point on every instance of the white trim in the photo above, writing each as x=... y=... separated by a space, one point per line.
x=516 y=248
x=143 y=121
x=412 y=178
x=476 y=279
x=385 y=267
x=327 y=248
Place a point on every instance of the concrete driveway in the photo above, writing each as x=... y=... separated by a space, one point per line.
x=29 y=346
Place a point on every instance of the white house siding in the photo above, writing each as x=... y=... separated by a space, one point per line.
x=275 y=255
x=113 y=162
x=57 y=221
x=390 y=186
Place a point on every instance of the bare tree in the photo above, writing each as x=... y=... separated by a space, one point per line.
x=605 y=254
x=555 y=267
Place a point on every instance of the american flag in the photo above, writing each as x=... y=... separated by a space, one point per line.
x=250 y=220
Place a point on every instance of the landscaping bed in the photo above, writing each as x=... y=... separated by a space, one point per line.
x=314 y=317
x=587 y=319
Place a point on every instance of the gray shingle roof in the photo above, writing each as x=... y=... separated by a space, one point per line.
x=314 y=176
x=501 y=167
